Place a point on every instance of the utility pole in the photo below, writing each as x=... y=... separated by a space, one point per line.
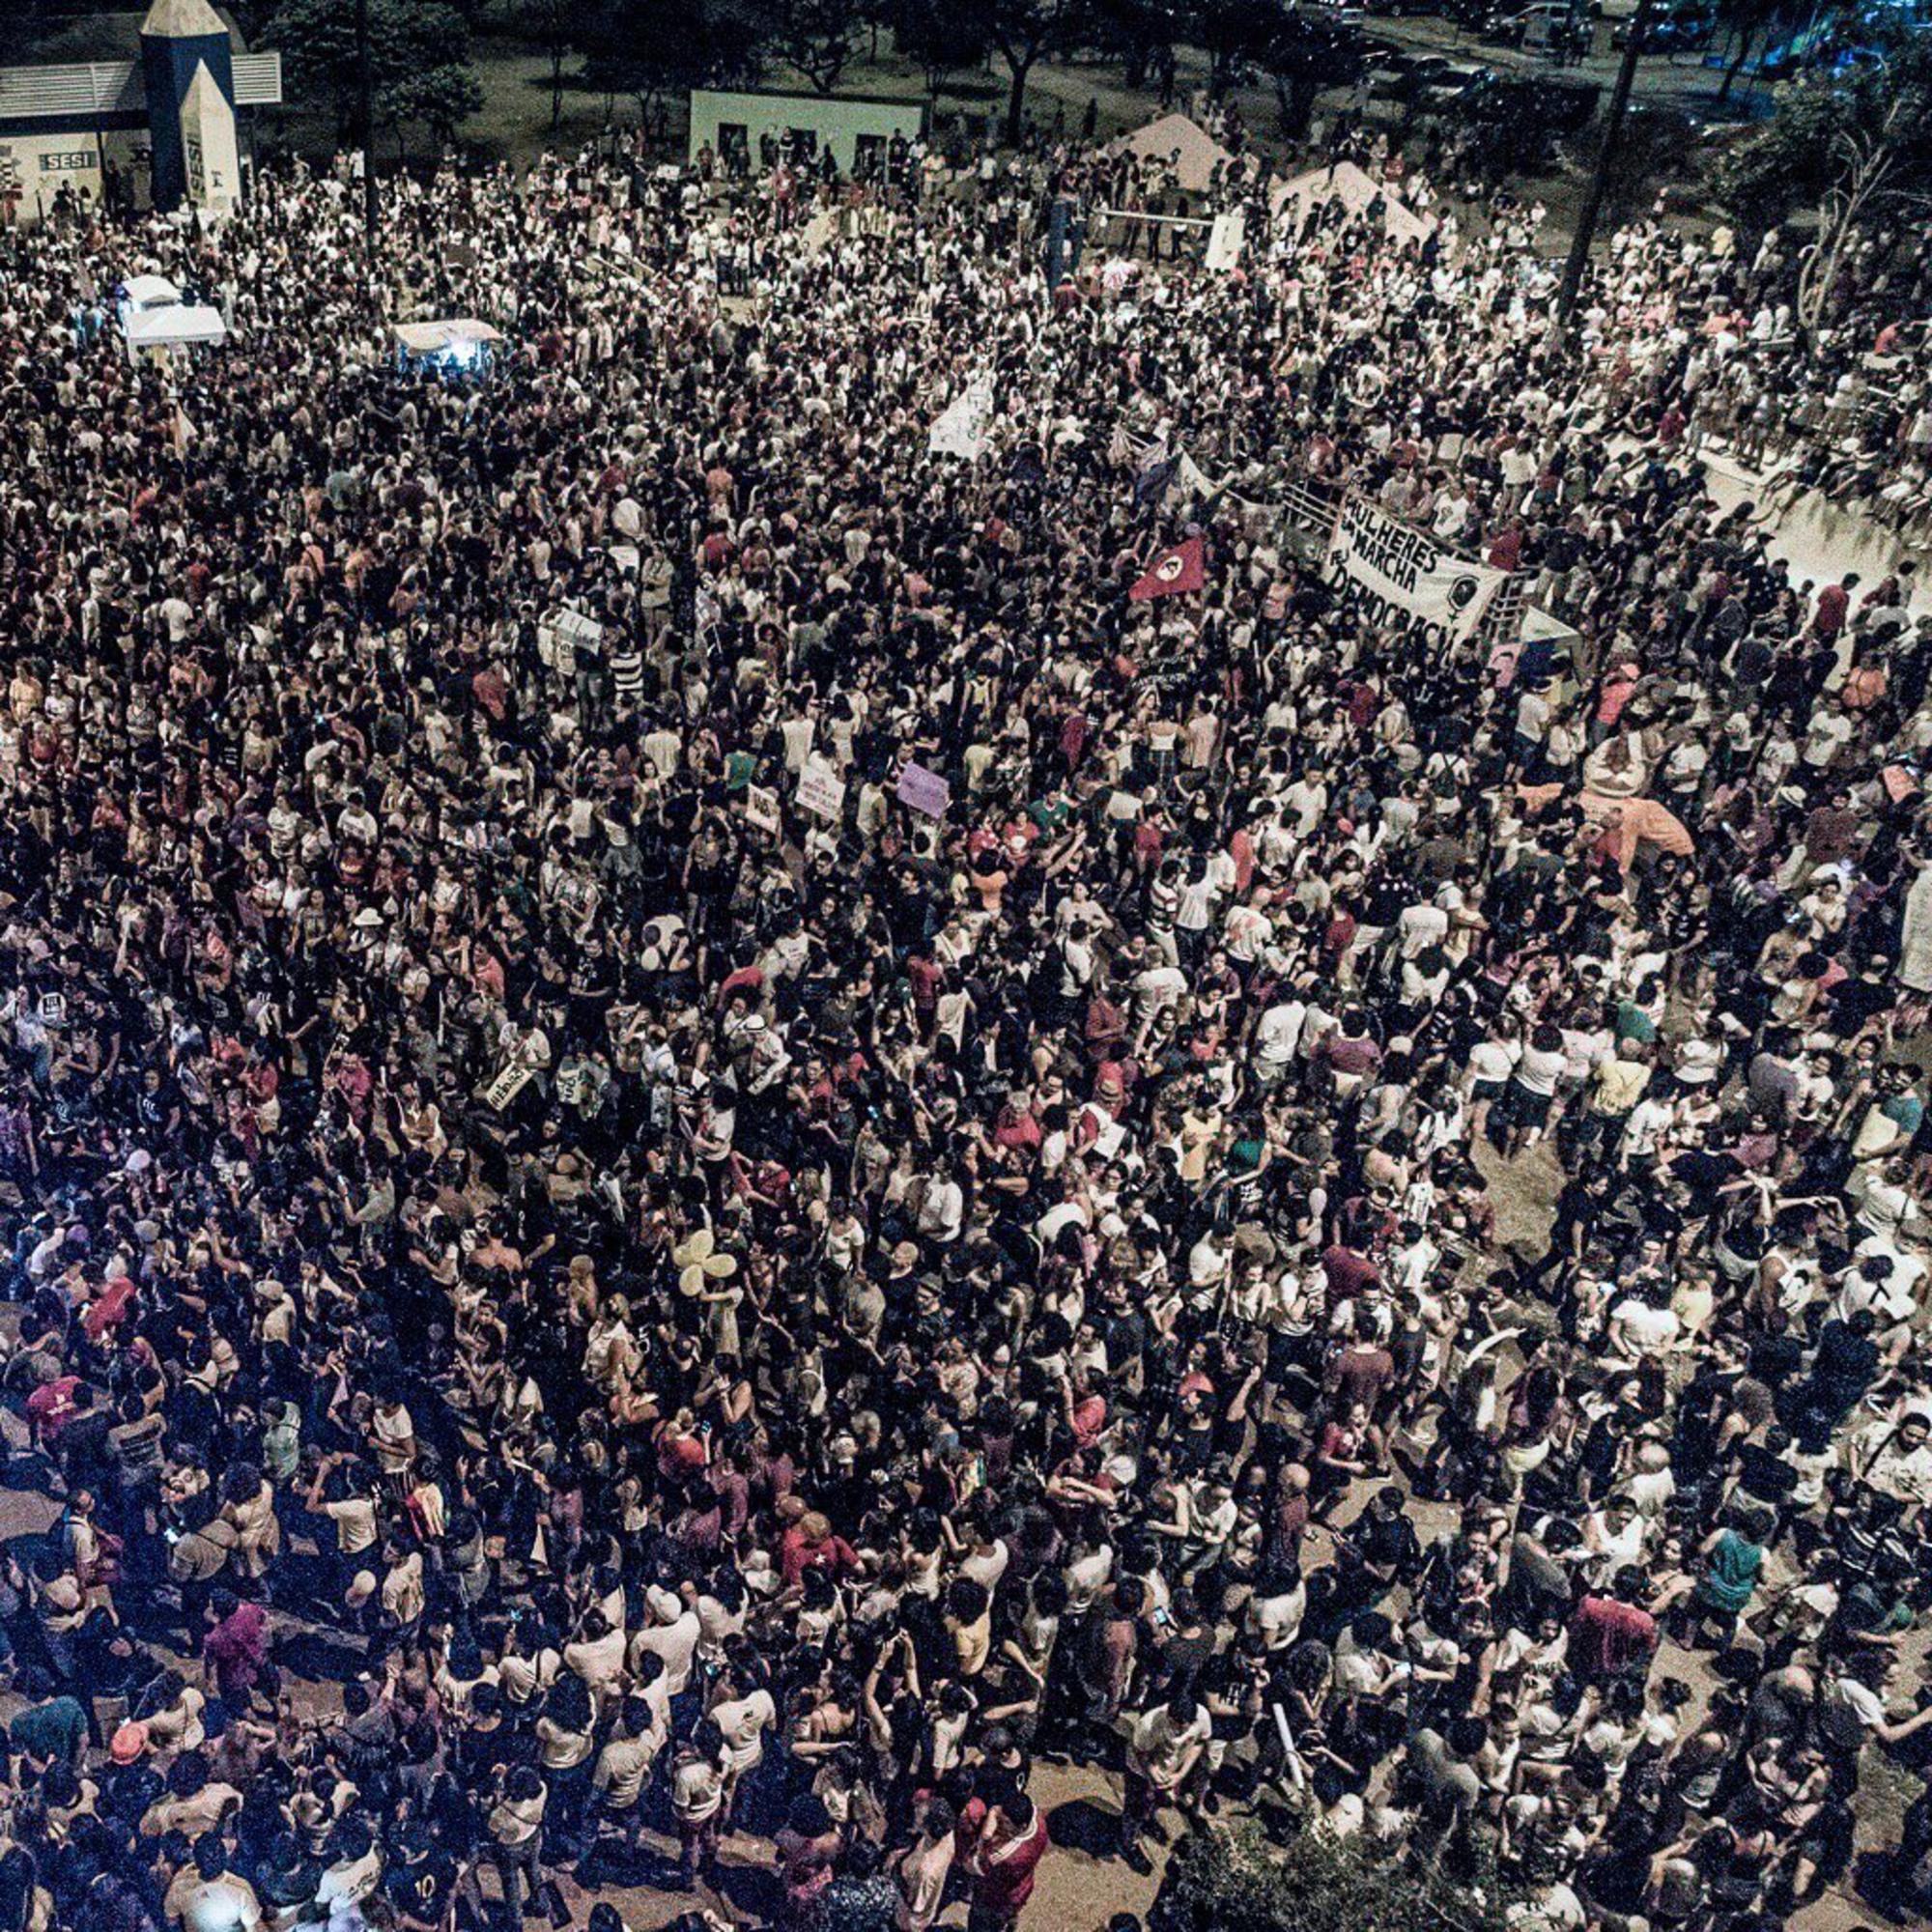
x=365 y=114
x=1593 y=201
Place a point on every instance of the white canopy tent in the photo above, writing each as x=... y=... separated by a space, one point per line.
x=145 y=292
x=1194 y=153
x=177 y=323
x=1347 y=183
x=439 y=338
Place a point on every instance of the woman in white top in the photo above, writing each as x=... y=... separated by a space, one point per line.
x=743 y=1715
x=1532 y=1088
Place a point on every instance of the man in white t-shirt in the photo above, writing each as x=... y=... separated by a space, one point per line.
x=1163 y=1749
x=1278 y=1039
x=673 y=1636
x=1420 y=927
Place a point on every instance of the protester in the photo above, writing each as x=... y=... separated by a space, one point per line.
x=706 y=1144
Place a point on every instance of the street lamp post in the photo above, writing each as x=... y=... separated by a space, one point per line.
x=365 y=114
x=1600 y=181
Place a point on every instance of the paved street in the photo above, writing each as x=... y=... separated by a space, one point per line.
x=1683 y=81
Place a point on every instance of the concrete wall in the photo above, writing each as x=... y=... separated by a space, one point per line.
x=38 y=165
x=838 y=120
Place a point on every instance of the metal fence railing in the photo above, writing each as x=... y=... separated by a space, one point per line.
x=1309 y=511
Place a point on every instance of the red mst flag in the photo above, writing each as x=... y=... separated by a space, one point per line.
x=1175 y=570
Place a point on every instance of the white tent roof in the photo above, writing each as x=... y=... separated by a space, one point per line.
x=154 y=327
x=151 y=292
x=426 y=338
x=1347 y=183
x=1174 y=137
x=1541 y=627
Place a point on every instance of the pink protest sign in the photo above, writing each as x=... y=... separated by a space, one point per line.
x=924 y=791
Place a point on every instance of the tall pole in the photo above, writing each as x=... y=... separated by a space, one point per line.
x=365 y=114
x=1593 y=201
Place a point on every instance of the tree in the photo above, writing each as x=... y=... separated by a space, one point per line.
x=940 y=40
x=1304 y=54
x=1745 y=21
x=418 y=62
x=1023 y=30
x=1878 y=165
x=555 y=26
x=1232 y=34
x=441 y=97
x=1233 y=1879
x=1821 y=123
x=1853 y=142
x=1138 y=33
x=818 y=37
x=648 y=47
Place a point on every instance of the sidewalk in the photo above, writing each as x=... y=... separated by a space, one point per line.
x=1815 y=537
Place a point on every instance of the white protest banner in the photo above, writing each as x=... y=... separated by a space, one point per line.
x=960 y=428
x=761 y=808
x=585 y=633
x=508 y=1084
x=563 y=633
x=821 y=789
x=1407 y=571
x=1224 y=241
x=1193 y=482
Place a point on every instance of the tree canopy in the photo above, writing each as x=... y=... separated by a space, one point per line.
x=1872 y=103
x=1233 y=1879
x=418 y=61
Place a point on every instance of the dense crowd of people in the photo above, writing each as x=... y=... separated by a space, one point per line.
x=601 y=1296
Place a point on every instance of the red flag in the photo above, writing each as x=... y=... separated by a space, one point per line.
x=1179 y=569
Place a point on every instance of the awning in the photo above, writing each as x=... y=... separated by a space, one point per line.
x=1193 y=153
x=151 y=292
x=431 y=338
x=158 y=327
x=1354 y=189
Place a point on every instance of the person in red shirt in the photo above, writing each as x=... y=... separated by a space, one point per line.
x=50 y=1406
x=1085 y=1403
x=1349 y=1273
x=108 y=1309
x=1002 y=1840
x=810 y=1545
x=236 y=1649
x=1834 y=603
x=1360 y=1372
x=1611 y=1638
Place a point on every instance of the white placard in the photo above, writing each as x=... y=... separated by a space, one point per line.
x=821 y=789
x=1408 y=570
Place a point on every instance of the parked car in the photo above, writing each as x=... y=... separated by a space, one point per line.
x=1335 y=12
x=1451 y=87
x=1545 y=26
x=1404 y=76
x=1529 y=25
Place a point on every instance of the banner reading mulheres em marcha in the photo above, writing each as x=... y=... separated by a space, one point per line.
x=1411 y=572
